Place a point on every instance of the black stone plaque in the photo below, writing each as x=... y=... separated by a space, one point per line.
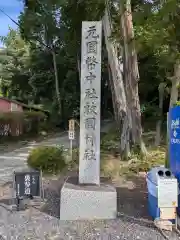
x=27 y=183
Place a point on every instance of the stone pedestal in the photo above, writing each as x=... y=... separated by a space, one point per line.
x=87 y=202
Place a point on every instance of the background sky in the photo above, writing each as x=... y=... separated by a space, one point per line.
x=13 y=9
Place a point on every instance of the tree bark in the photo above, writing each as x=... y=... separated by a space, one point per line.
x=175 y=81
x=79 y=66
x=113 y=94
x=118 y=86
x=58 y=95
x=131 y=76
x=159 y=121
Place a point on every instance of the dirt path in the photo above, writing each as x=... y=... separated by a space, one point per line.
x=16 y=160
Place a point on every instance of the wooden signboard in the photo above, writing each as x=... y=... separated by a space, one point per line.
x=71 y=125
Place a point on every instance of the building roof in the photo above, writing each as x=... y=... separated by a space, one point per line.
x=24 y=105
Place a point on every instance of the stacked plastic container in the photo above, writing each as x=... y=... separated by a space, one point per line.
x=152 y=184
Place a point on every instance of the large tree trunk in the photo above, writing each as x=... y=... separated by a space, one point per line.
x=58 y=96
x=113 y=94
x=118 y=86
x=159 y=121
x=131 y=76
x=175 y=80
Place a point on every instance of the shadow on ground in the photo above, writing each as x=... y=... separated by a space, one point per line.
x=52 y=194
x=132 y=200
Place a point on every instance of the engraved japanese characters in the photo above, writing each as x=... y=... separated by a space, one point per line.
x=89 y=166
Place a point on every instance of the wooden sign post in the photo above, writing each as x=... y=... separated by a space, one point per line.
x=71 y=134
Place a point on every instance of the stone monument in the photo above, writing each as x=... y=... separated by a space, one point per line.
x=85 y=197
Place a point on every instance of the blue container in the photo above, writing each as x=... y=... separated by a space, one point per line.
x=174 y=144
x=174 y=140
x=152 y=185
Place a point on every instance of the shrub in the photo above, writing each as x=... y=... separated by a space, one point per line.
x=10 y=116
x=44 y=126
x=110 y=141
x=33 y=115
x=32 y=121
x=75 y=155
x=72 y=161
x=48 y=159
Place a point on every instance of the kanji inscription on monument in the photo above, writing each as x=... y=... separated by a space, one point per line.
x=89 y=164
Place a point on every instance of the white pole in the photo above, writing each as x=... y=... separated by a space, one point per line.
x=167 y=141
x=71 y=149
x=14 y=190
x=41 y=186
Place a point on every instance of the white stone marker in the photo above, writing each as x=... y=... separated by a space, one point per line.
x=89 y=162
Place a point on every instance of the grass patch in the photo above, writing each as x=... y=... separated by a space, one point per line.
x=112 y=166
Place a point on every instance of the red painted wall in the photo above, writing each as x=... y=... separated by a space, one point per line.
x=15 y=128
x=5 y=106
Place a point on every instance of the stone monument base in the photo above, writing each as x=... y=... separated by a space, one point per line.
x=87 y=202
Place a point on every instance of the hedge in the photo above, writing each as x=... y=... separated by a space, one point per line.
x=30 y=121
x=48 y=159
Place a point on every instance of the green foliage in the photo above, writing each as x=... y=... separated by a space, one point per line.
x=11 y=116
x=113 y=166
x=158 y=34
x=109 y=146
x=75 y=155
x=33 y=115
x=177 y=103
x=26 y=64
x=73 y=163
x=149 y=111
x=45 y=126
x=110 y=142
x=49 y=159
x=33 y=120
x=26 y=115
x=14 y=67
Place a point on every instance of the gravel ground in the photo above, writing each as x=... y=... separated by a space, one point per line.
x=32 y=225
x=43 y=223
